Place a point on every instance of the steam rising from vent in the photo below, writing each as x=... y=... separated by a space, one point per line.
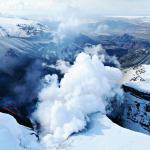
x=95 y=50
x=86 y=88
x=67 y=31
x=102 y=55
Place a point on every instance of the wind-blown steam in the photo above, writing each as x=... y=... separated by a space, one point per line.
x=102 y=55
x=85 y=88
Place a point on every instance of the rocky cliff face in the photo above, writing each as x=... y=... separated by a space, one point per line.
x=134 y=112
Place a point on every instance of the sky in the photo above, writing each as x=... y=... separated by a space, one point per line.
x=82 y=8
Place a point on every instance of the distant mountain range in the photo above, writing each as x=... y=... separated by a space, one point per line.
x=118 y=36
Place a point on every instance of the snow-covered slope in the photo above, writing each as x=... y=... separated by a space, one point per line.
x=105 y=135
x=101 y=133
x=16 y=137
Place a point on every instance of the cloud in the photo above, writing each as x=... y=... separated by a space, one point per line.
x=58 y=9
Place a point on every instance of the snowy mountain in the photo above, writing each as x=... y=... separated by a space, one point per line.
x=58 y=79
x=16 y=27
x=38 y=39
